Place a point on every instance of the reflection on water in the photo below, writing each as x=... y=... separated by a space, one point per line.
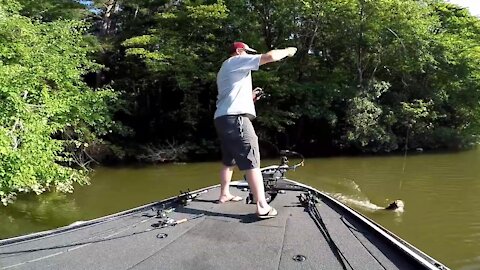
x=36 y=213
x=440 y=191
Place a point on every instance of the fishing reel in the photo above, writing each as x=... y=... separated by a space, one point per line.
x=273 y=174
x=185 y=197
x=259 y=93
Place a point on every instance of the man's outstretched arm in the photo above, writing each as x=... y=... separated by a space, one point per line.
x=277 y=55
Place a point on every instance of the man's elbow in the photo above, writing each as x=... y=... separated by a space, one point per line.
x=266 y=58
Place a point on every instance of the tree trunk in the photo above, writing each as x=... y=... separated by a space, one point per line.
x=107 y=26
x=360 y=68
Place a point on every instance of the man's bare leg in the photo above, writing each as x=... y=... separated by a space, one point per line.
x=255 y=181
x=225 y=177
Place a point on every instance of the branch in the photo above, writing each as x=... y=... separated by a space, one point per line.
x=169 y=152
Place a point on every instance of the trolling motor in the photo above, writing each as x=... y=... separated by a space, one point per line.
x=274 y=174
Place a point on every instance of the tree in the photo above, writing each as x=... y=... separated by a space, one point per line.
x=51 y=10
x=48 y=115
x=363 y=67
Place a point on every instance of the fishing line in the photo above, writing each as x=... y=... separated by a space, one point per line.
x=404 y=165
x=406 y=149
x=408 y=126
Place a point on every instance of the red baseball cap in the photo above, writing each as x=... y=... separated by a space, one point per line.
x=240 y=45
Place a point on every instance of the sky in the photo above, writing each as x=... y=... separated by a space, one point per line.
x=473 y=5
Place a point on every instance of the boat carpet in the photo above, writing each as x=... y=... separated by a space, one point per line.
x=227 y=236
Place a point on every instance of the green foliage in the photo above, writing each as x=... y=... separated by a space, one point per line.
x=377 y=74
x=369 y=76
x=369 y=127
x=51 y=10
x=181 y=53
x=45 y=107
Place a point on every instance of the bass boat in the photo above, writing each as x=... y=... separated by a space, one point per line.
x=192 y=231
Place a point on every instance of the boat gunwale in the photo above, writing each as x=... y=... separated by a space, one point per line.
x=95 y=221
x=399 y=242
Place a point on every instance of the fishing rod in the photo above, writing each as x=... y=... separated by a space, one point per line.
x=309 y=201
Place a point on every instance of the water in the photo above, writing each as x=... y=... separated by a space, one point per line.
x=440 y=191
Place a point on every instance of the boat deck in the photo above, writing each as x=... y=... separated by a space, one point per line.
x=225 y=236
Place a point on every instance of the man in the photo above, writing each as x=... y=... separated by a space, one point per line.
x=235 y=109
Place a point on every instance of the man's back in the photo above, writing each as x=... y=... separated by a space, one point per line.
x=234 y=83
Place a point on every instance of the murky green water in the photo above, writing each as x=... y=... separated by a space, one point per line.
x=441 y=194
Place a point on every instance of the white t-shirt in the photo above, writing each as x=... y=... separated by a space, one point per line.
x=234 y=83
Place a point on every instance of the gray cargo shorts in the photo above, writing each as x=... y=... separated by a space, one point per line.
x=239 y=143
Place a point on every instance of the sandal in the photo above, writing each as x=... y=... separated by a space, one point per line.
x=270 y=214
x=232 y=199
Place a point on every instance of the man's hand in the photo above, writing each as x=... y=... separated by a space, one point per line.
x=277 y=55
x=257 y=93
x=291 y=51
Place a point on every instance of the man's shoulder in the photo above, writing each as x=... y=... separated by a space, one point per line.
x=245 y=57
x=249 y=60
